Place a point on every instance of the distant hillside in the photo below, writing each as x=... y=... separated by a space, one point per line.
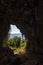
x=18 y=35
x=13 y=35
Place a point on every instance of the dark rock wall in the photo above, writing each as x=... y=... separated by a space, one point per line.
x=27 y=15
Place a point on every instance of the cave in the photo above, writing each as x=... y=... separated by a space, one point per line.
x=27 y=15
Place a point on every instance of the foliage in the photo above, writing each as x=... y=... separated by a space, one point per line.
x=17 y=44
x=17 y=41
x=14 y=42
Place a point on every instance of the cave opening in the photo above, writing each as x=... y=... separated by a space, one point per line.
x=16 y=40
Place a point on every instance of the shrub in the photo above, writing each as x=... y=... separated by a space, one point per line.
x=14 y=42
x=17 y=41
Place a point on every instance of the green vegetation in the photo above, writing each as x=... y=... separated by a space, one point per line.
x=17 y=45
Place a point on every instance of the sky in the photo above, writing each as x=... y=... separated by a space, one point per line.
x=14 y=29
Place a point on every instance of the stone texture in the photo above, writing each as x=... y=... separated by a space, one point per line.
x=27 y=15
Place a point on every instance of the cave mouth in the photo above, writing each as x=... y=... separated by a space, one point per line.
x=16 y=40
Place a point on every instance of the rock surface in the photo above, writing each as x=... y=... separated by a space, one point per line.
x=27 y=15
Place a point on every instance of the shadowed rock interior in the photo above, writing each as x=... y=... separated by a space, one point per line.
x=27 y=15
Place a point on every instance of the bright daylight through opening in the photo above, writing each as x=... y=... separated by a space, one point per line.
x=16 y=40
